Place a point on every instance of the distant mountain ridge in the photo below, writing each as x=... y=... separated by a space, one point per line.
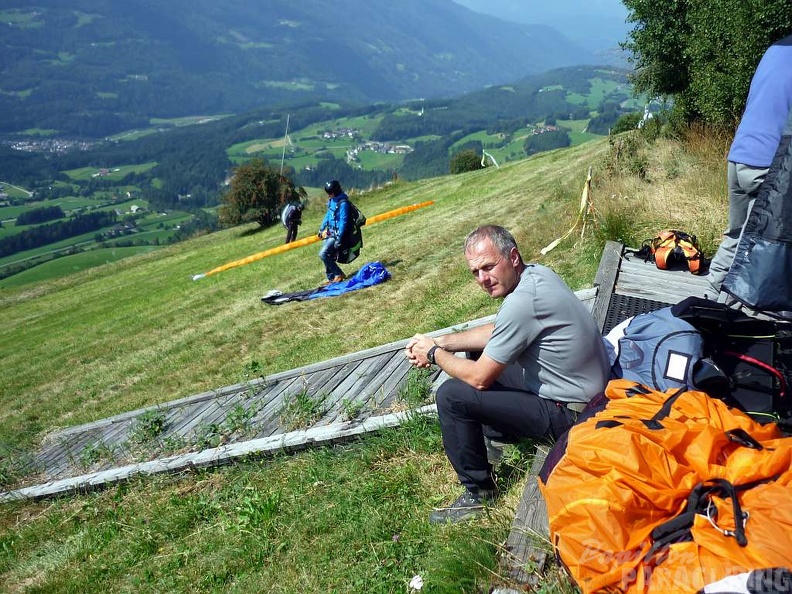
x=598 y=25
x=95 y=67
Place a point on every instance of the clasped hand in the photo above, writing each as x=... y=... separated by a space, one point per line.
x=416 y=350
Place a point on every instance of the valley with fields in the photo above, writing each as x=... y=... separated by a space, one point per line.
x=157 y=186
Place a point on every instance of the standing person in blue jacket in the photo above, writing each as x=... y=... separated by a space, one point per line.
x=334 y=226
x=754 y=146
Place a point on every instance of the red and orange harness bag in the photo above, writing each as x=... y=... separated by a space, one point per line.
x=672 y=245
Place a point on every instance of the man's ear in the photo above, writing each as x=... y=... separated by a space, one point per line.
x=514 y=257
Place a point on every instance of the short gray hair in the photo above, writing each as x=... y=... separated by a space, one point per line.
x=500 y=238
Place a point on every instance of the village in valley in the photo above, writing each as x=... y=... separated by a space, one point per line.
x=368 y=145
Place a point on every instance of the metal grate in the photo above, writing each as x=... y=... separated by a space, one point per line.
x=622 y=307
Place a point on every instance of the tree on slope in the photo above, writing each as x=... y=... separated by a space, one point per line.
x=466 y=160
x=703 y=53
x=257 y=193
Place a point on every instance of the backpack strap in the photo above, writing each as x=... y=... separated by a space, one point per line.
x=678 y=529
x=662 y=247
x=690 y=250
x=645 y=251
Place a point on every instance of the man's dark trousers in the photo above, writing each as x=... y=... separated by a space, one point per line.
x=467 y=415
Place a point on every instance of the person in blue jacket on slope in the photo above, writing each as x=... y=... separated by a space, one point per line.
x=332 y=230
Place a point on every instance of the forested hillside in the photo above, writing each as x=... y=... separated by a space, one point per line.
x=599 y=25
x=93 y=68
x=194 y=157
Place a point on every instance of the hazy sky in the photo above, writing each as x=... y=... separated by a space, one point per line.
x=540 y=11
x=596 y=24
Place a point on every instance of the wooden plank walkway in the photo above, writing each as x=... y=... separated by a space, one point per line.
x=626 y=286
x=317 y=404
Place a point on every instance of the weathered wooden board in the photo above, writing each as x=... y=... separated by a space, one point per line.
x=523 y=560
x=214 y=456
x=643 y=279
x=605 y=280
x=373 y=378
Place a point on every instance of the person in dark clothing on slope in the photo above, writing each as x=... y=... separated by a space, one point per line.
x=332 y=230
x=291 y=219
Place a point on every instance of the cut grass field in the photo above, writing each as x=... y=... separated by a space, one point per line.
x=9 y=213
x=14 y=191
x=68 y=265
x=158 y=123
x=115 y=173
x=350 y=518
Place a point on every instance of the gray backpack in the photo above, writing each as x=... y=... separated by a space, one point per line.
x=657 y=349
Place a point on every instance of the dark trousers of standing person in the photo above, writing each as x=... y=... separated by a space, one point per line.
x=467 y=415
x=291 y=231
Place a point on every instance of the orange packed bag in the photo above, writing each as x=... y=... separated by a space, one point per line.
x=670 y=492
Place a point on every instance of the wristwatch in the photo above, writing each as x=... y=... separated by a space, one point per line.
x=430 y=354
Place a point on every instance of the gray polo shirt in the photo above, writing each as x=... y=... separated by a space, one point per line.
x=545 y=330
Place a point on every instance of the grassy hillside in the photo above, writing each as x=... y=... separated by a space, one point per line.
x=140 y=331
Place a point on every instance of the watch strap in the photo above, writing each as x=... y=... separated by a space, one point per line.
x=430 y=354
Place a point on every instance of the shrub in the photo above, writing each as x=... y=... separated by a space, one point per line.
x=467 y=160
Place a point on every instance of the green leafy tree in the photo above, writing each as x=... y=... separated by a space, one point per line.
x=257 y=193
x=703 y=53
x=466 y=160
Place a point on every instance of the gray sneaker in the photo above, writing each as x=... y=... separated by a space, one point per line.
x=466 y=507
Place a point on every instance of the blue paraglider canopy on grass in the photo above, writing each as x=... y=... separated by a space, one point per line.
x=370 y=274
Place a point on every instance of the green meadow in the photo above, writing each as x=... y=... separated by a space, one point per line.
x=350 y=518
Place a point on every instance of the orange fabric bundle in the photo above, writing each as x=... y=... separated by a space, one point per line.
x=634 y=466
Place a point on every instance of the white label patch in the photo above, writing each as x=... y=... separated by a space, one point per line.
x=677 y=366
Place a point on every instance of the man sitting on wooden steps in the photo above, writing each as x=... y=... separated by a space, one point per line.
x=543 y=359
